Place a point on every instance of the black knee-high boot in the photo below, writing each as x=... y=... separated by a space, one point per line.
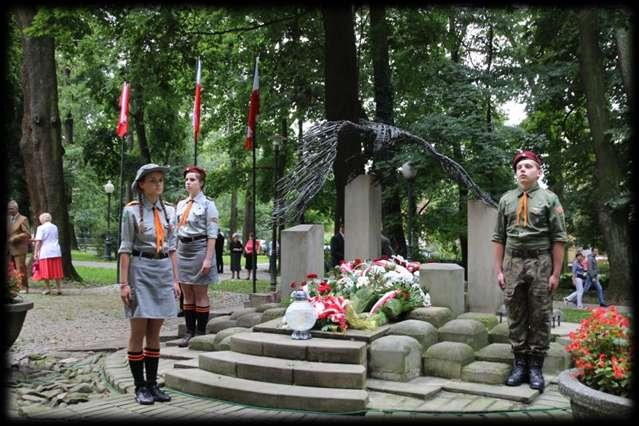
x=189 y=319
x=202 y=318
x=142 y=393
x=151 y=361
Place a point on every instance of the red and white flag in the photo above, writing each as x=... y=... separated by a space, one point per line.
x=198 y=100
x=123 y=124
x=254 y=109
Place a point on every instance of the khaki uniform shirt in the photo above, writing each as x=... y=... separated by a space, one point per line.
x=546 y=222
x=202 y=220
x=142 y=238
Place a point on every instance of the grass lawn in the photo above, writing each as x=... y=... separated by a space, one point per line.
x=86 y=255
x=99 y=276
x=241 y=286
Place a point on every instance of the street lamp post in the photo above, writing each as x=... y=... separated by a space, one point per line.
x=108 y=188
x=277 y=139
x=408 y=171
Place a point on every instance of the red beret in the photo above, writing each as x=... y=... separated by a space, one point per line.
x=195 y=169
x=526 y=155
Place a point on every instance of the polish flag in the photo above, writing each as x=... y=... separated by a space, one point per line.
x=123 y=124
x=254 y=109
x=198 y=101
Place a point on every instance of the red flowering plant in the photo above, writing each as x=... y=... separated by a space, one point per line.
x=330 y=308
x=601 y=348
x=12 y=286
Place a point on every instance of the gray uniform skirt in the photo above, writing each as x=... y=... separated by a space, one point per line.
x=151 y=282
x=190 y=257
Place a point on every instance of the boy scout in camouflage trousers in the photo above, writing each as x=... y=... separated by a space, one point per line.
x=529 y=248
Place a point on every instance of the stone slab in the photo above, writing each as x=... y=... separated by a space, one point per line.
x=488 y=320
x=469 y=331
x=202 y=343
x=302 y=253
x=273 y=395
x=187 y=363
x=492 y=373
x=175 y=352
x=496 y=352
x=445 y=284
x=499 y=333
x=483 y=293
x=521 y=393
x=403 y=388
x=424 y=332
x=436 y=315
x=315 y=349
x=395 y=358
x=362 y=218
x=275 y=326
x=446 y=359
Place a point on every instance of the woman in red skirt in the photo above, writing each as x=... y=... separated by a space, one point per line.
x=47 y=254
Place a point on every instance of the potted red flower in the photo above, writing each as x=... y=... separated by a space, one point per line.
x=599 y=386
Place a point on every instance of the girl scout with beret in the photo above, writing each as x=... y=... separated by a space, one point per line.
x=197 y=229
x=148 y=277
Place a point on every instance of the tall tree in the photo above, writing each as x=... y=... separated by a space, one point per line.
x=613 y=209
x=41 y=142
x=383 y=89
x=341 y=100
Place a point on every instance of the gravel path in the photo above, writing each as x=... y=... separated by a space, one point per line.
x=86 y=320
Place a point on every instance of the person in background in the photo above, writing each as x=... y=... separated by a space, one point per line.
x=337 y=247
x=592 y=277
x=387 y=249
x=148 y=277
x=578 y=279
x=18 y=241
x=197 y=231
x=529 y=237
x=47 y=254
x=236 y=248
x=248 y=254
x=219 y=252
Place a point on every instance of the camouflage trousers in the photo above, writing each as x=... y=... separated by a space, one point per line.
x=528 y=303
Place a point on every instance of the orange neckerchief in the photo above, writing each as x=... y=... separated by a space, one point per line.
x=159 y=230
x=185 y=215
x=522 y=208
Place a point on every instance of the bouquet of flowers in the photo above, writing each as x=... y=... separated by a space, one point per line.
x=330 y=308
x=601 y=347
x=386 y=285
x=13 y=279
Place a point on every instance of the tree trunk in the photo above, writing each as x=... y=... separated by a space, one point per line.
x=391 y=201
x=41 y=136
x=609 y=170
x=341 y=101
x=456 y=36
x=139 y=124
x=248 y=215
x=233 y=219
x=625 y=60
x=489 y=63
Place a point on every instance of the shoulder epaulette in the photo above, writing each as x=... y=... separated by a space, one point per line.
x=133 y=203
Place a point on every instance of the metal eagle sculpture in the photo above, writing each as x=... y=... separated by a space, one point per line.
x=318 y=150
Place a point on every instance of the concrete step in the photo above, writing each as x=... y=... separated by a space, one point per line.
x=286 y=371
x=315 y=349
x=261 y=394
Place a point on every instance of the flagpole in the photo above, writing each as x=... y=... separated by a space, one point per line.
x=254 y=205
x=124 y=111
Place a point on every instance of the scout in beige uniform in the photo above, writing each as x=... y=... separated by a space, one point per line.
x=148 y=275
x=197 y=228
x=19 y=238
x=529 y=248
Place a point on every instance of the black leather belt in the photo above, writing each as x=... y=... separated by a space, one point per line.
x=191 y=239
x=150 y=255
x=527 y=254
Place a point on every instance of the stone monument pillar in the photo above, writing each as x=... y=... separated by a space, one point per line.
x=484 y=295
x=445 y=284
x=363 y=219
x=302 y=253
